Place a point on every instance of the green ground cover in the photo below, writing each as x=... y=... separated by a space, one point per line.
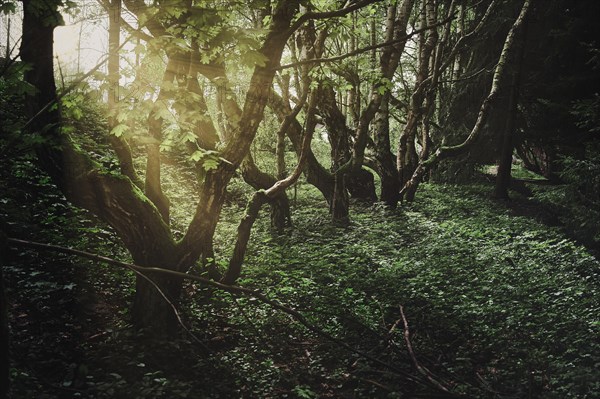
x=498 y=303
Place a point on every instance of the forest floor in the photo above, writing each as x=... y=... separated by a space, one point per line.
x=500 y=299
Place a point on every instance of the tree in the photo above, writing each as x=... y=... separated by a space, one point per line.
x=499 y=78
x=558 y=71
x=140 y=217
x=115 y=198
x=506 y=151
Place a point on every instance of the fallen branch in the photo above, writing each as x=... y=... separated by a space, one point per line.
x=173 y=307
x=233 y=289
x=422 y=370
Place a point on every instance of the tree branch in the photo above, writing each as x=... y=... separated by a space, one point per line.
x=233 y=289
x=413 y=357
x=328 y=14
x=366 y=48
x=261 y=197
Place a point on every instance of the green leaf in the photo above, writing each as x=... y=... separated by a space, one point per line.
x=253 y=58
x=119 y=130
x=210 y=163
x=162 y=113
x=197 y=156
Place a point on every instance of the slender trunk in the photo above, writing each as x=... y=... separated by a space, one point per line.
x=4 y=335
x=505 y=162
x=280 y=153
x=7 y=57
x=201 y=230
x=315 y=173
x=37 y=51
x=406 y=160
x=381 y=128
x=359 y=183
x=390 y=183
x=152 y=184
x=118 y=144
x=280 y=148
x=204 y=129
x=457 y=61
x=340 y=203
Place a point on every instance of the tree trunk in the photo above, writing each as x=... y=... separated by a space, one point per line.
x=259 y=180
x=390 y=184
x=340 y=204
x=315 y=173
x=118 y=144
x=361 y=186
x=360 y=183
x=505 y=162
x=113 y=198
x=4 y=336
x=503 y=176
x=406 y=159
x=152 y=311
x=280 y=153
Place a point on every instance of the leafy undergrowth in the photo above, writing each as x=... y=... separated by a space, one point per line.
x=498 y=306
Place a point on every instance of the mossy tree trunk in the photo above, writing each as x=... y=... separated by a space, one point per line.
x=259 y=180
x=113 y=197
x=359 y=183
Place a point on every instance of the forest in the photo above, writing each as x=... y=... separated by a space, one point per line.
x=300 y=199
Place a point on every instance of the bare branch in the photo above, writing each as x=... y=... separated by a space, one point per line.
x=233 y=289
x=413 y=357
x=329 y=14
x=364 y=49
x=173 y=307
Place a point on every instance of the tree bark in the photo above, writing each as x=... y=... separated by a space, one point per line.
x=359 y=183
x=390 y=183
x=111 y=197
x=202 y=227
x=263 y=196
x=397 y=21
x=119 y=144
x=315 y=173
x=259 y=180
x=4 y=335
x=406 y=162
x=151 y=311
x=503 y=176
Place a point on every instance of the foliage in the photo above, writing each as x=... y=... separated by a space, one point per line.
x=576 y=202
x=489 y=296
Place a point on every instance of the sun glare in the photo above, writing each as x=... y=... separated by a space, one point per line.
x=79 y=47
x=65 y=41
